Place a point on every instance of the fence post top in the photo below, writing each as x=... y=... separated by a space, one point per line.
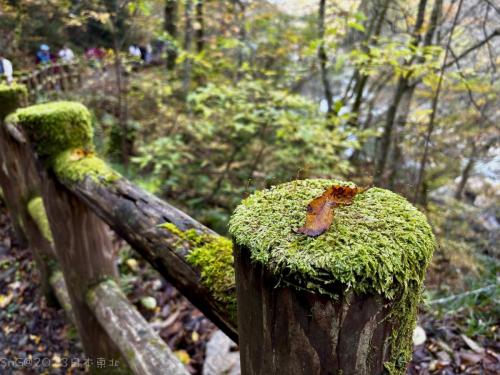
x=379 y=244
x=11 y=97
x=56 y=127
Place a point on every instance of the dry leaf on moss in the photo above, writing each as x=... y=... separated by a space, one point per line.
x=320 y=212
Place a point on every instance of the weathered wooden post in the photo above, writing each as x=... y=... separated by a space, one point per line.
x=11 y=98
x=20 y=181
x=82 y=243
x=344 y=302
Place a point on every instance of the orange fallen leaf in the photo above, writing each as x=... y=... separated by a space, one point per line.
x=320 y=212
x=79 y=153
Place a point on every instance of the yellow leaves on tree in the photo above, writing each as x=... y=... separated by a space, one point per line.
x=320 y=211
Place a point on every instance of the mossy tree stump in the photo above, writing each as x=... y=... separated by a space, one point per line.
x=82 y=242
x=341 y=303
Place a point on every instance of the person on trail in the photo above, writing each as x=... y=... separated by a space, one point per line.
x=66 y=54
x=43 y=55
x=134 y=51
x=6 y=69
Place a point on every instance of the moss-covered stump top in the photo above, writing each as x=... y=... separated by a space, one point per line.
x=56 y=127
x=11 y=98
x=380 y=243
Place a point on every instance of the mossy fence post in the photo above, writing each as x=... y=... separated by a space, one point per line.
x=20 y=183
x=82 y=242
x=342 y=303
x=11 y=98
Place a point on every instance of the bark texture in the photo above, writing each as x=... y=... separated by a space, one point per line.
x=84 y=252
x=286 y=331
x=19 y=181
x=171 y=8
x=145 y=352
x=135 y=215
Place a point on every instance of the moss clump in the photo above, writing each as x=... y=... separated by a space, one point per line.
x=380 y=244
x=213 y=255
x=56 y=127
x=11 y=97
x=37 y=212
x=77 y=164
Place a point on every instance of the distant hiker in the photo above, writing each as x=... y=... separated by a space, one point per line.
x=43 y=55
x=134 y=51
x=66 y=54
x=148 y=53
x=6 y=69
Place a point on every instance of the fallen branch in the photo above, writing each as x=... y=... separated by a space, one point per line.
x=475 y=292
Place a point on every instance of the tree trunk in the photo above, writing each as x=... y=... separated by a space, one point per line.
x=323 y=58
x=242 y=37
x=397 y=154
x=171 y=8
x=464 y=177
x=188 y=39
x=122 y=106
x=385 y=141
x=200 y=26
x=374 y=31
x=402 y=86
x=419 y=191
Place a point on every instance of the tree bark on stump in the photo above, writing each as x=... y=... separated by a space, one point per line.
x=286 y=331
x=84 y=252
x=19 y=181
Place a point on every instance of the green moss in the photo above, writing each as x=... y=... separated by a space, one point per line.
x=11 y=97
x=77 y=164
x=56 y=127
x=380 y=244
x=37 y=212
x=213 y=255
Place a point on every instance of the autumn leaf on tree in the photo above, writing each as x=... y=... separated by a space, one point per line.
x=320 y=211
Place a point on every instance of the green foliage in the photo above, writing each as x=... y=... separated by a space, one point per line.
x=400 y=56
x=239 y=139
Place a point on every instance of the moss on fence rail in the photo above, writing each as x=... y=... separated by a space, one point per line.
x=213 y=255
x=76 y=164
x=37 y=212
x=380 y=244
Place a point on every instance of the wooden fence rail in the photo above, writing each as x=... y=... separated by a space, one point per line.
x=50 y=77
x=344 y=302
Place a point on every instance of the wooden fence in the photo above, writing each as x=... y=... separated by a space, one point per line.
x=50 y=77
x=292 y=318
